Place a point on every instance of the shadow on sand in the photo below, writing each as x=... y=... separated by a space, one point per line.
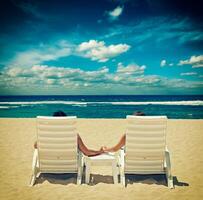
x=153 y=179
x=65 y=179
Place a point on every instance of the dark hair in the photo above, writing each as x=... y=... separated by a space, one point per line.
x=139 y=113
x=59 y=114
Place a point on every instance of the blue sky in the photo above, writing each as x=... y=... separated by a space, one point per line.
x=101 y=47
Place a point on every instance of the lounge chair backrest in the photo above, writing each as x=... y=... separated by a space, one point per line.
x=145 y=144
x=57 y=144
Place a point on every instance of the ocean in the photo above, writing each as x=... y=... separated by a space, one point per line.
x=103 y=106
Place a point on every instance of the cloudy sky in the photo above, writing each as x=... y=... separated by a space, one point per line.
x=101 y=47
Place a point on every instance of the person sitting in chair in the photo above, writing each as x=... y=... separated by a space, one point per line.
x=82 y=147
x=121 y=143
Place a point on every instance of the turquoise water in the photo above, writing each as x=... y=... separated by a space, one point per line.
x=111 y=106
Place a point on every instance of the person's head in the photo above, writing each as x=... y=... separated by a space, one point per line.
x=59 y=114
x=139 y=113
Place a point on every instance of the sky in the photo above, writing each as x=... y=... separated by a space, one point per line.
x=103 y=47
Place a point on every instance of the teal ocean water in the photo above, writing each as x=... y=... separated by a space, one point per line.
x=111 y=106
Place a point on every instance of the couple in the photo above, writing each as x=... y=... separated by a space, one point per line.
x=89 y=152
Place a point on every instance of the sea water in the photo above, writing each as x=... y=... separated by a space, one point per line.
x=103 y=106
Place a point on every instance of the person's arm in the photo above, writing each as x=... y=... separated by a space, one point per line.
x=86 y=151
x=120 y=144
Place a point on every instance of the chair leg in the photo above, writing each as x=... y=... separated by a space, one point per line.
x=170 y=182
x=80 y=169
x=115 y=172
x=123 y=179
x=122 y=176
x=38 y=174
x=122 y=164
x=79 y=177
x=169 y=176
x=35 y=175
x=35 y=172
x=87 y=172
x=32 y=180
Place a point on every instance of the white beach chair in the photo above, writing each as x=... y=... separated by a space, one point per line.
x=145 y=150
x=57 y=150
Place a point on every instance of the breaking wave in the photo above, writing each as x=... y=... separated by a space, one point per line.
x=78 y=103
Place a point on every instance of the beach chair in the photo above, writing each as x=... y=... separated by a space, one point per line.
x=57 y=150
x=145 y=151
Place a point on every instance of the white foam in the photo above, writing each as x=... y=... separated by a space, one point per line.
x=80 y=105
x=42 y=102
x=76 y=103
x=186 y=103
x=8 y=107
x=4 y=107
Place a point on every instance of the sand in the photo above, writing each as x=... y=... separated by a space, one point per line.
x=184 y=139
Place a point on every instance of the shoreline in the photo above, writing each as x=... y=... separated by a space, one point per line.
x=2 y=118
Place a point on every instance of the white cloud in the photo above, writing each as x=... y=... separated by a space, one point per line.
x=90 y=45
x=125 y=78
x=188 y=74
x=114 y=14
x=98 y=51
x=43 y=75
x=50 y=81
x=163 y=63
x=19 y=72
x=86 y=84
x=197 y=65
x=130 y=69
x=93 y=49
x=148 y=80
x=43 y=53
x=195 y=61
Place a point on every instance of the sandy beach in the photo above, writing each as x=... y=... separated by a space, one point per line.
x=184 y=140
